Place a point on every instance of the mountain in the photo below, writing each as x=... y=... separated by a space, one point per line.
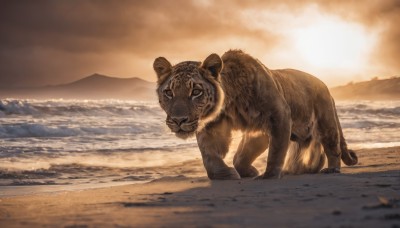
x=95 y=86
x=375 y=89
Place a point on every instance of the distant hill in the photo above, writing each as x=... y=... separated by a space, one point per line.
x=95 y=86
x=375 y=89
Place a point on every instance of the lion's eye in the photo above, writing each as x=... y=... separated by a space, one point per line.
x=168 y=93
x=197 y=92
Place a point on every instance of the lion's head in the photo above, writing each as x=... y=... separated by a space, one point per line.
x=190 y=93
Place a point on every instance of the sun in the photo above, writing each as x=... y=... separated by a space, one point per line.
x=333 y=43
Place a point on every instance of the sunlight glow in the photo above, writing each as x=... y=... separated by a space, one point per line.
x=332 y=43
x=328 y=46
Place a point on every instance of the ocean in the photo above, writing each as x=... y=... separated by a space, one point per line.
x=71 y=144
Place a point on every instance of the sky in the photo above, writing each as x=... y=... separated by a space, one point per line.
x=55 y=42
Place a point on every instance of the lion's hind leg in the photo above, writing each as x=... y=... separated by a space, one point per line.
x=252 y=145
x=330 y=138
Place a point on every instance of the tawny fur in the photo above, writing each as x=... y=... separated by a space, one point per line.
x=287 y=111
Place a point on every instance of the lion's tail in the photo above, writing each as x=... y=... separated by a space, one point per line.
x=349 y=157
x=304 y=157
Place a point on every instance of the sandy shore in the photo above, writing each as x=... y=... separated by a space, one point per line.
x=366 y=195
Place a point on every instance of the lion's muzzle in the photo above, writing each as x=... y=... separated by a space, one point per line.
x=182 y=125
x=179 y=120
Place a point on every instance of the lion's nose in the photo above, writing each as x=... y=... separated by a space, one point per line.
x=179 y=119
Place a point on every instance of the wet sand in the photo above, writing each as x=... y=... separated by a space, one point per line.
x=366 y=195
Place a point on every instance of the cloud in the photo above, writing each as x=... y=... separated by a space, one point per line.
x=32 y=30
x=48 y=41
x=378 y=16
x=92 y=26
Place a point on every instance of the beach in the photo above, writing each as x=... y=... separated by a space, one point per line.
x=365 y=195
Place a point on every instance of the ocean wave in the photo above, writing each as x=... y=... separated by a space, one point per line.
x=35 y=130
x=9 y=107
x=369 y=124
x=85 y=108
x=363 y=109
x=23 y=130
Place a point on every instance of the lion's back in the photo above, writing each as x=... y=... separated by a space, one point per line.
x=301 y=88
x=249 y=86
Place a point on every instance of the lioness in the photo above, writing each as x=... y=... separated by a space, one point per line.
x=288 y=111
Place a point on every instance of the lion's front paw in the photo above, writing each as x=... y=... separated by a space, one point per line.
x=330 y=170
x=247 y=172
x=224 y=174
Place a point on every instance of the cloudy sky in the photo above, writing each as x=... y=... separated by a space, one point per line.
x=53 y=42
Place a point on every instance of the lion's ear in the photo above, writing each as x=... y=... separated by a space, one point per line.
x=213 y=63
x=162 y=68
